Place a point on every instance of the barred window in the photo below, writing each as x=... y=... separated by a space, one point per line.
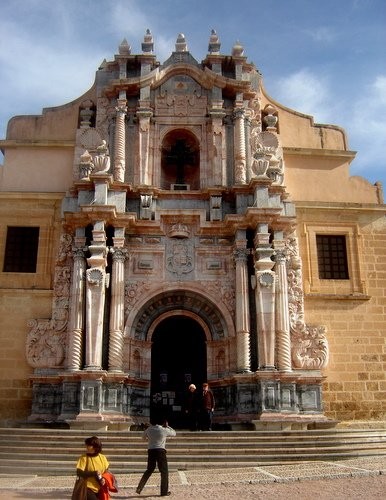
x=332 y=257
x=21 y=249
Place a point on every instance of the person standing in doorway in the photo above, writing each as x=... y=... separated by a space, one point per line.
x=156 y=435
x=207 y=408
x=192 y=407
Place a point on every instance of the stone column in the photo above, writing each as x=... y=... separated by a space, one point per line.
x=283 y=339
x=76 y=323
x=95 y=298
x=239 y=147
x=265 y=299
x=219 y=168
x=120 y=141
x=144 y=116
x=242 y=311
x=117 y=284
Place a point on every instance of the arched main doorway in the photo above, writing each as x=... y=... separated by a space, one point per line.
x=178 y=358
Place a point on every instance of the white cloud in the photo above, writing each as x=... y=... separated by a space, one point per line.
x=324 y=34
x=368 y=128
x=307 y=93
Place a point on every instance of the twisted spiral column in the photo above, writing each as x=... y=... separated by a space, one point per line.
x=239 y=146
x=74 y=353
x=242 y=311
x=283 y=338
x=119 y=142
x=117 y=310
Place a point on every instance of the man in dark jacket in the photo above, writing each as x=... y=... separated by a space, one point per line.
x=207 y=408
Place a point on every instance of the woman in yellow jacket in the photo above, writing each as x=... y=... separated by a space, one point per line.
x=92 y=466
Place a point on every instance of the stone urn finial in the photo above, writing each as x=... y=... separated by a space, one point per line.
x=101 y=159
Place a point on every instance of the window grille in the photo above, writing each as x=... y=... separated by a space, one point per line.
x=332 y=257
x=21 y=249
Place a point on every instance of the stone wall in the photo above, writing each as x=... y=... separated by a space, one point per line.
x=355 y=386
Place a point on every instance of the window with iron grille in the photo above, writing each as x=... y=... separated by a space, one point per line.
x=332 y=257
x=21 y=249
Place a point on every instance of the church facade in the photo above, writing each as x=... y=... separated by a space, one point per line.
x=176 y=225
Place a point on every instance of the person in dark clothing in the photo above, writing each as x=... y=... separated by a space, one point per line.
x=192 y=407
x=156 y=435
x=207 y=408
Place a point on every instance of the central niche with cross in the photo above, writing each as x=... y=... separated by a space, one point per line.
x=180 y=161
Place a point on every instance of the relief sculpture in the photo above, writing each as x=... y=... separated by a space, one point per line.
x=309 y=344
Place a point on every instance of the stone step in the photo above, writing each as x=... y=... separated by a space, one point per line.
x=55 y=451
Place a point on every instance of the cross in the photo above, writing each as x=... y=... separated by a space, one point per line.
x=181 y=156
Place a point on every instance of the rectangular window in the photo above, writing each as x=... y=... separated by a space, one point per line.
x=21 y=250
x=332 y=257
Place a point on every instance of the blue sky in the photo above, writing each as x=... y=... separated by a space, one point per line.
x=323 y=58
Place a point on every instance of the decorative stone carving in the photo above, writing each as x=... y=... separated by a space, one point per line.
x=120 y=139
x=102 y=159
x=267 y=162
x=148 y=43
x=45 y=346
x=86 y=166
x=86 y=114
x=237 y=50
x=309 y=343
x=89 y=138
x=95 y=276
x=214 y=43
x=181 y=105
x=309 y=347
x=270 y=118
x=266 y=279
x=222 y=289
x=124 y=48
x=133 y=291
x=179 y=258
x=178 y=230
x=46 y=341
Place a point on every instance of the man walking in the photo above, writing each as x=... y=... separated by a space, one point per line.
x=156 y=435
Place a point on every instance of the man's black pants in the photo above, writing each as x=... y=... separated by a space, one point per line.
x=156 y=456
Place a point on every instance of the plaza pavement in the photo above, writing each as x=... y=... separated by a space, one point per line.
x=55 y=487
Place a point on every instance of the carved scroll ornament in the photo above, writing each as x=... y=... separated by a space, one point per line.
x=309 y=345
x=45 y=346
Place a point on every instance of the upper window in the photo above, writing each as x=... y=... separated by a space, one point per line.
x=180 y=161
x=332 y=257
x=21 y=249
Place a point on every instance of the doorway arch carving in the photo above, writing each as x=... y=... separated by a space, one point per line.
x=188 y=302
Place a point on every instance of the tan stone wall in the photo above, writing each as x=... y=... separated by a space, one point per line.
x=355 y=386
x=24 y=296
x=17 y=307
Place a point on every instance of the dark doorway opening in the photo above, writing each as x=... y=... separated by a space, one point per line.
x=178 y=358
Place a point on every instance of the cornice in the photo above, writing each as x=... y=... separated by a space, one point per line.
x=326 y=153
x=35 y=144
x=205 y=77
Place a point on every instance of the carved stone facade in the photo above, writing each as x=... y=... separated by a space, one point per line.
x=178 y=258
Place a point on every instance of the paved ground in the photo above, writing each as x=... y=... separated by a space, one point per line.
x=354 y=479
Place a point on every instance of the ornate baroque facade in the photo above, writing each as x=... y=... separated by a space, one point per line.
x=187 y=225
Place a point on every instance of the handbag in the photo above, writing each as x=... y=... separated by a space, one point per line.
x=80 y=487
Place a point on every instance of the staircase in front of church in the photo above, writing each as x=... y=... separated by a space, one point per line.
x=55 y=451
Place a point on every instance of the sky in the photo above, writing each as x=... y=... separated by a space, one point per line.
x=323 y=58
